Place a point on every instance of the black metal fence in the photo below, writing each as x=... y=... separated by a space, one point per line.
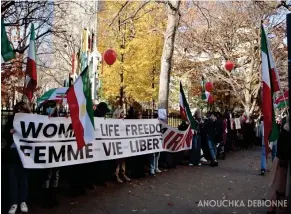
x=174 y=120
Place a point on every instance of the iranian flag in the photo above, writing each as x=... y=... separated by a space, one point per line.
x=283 y=100
x=208 y=97
x=54 y=94
x=270 y=82
x=205 y=95
x=31 y=75
x=81 y=109
x=7 y=52
x=185 y=110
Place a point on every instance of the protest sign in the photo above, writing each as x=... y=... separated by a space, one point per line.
x=44 y=142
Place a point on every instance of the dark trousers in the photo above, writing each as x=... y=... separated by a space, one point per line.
x=170 y=160
x=194 y=156
x=18 y=179
x=137 y=165
x=76 y=178
x=231 y=140
x=104 y=171
x=51 y=178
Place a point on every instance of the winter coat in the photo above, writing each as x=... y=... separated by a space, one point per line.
x=7 y=135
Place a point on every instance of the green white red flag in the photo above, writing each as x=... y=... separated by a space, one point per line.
x=80 y=103
x=283 y=100
x=31 y=75
x=185 y=111
x=270 y=83
x=56 y=94
x=208 y=97
x=205 y=95
x=7 y=52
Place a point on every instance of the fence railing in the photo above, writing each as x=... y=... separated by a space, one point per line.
x=174 y=120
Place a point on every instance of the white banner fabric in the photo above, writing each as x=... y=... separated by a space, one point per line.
x=44 y=142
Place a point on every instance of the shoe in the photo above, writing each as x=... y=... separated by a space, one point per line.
x=13 y=209
x=190 y=164
x=263 y=172
x=23 y=207
x=118 y=179
x=152 y=173
x=125 y=177
x=199 y=164
x=158 y=171
x=214 y=163
x=203 y=160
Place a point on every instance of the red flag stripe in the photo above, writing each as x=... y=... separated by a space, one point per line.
x=31 y=72
x=74 y=112
x=183 y=113
x=267 y=112
x=274 y=79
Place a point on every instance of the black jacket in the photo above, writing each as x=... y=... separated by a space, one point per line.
x=214 y=130
x=7 y=135
x=219 y=130
x=284 y=145
x=210 y=128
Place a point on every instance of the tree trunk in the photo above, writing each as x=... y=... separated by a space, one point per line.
x=121 y=87
x=166 y=60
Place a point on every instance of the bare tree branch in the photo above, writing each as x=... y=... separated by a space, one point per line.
x=120 y=10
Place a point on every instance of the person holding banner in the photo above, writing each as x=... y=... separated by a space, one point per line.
x=58 y=111
x=139 y=164
x=120 y=163
x=101 y=109
x=51 y=176
x=18 y=176
x=211 y=137
x=195 y=153
x=103 y=168
x=154 y=159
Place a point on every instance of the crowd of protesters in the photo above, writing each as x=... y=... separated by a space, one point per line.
x=215 y=134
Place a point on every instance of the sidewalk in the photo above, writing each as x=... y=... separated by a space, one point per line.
x=177 y=191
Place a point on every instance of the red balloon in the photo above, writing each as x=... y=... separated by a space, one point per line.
x=209 y=86
x=229 y=65
x=110 y=56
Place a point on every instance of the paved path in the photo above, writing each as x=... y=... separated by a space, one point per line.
x=178 y=191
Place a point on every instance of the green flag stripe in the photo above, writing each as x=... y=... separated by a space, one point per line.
x=192 y=121
x=264 y=47
x=87 y=93
x=6 y=48
x=46 y=95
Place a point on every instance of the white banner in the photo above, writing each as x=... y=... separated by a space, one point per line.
x=44 y=142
